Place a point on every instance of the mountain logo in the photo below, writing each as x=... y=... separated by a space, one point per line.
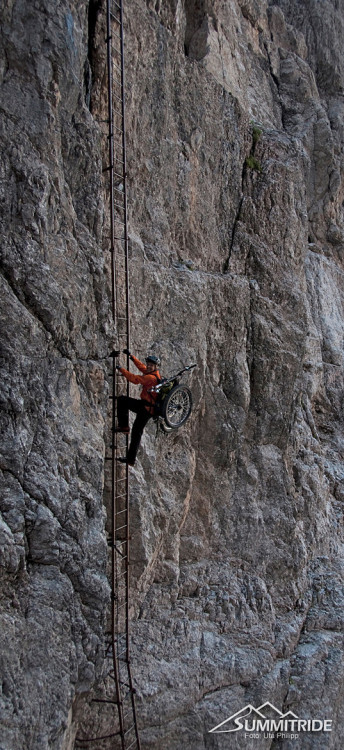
x=263 y=712
x=268 y=718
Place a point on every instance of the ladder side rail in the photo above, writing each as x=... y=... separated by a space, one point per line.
x=115 y=614
x=125 y=207
x=121 y=156
x=127 y=299
x=111 y=155
x=122 y=555
x=114 y=562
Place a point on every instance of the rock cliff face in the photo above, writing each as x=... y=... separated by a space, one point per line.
x=235 y=143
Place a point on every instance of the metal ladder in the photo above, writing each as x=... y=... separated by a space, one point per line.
x=125 y=735
x=119 y=248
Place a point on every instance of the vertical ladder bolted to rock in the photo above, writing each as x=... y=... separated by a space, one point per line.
x=119 y=246
x=125 y=734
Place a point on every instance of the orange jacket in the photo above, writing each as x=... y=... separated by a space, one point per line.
x=148 y=380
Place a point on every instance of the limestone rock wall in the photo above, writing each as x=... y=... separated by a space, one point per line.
x=55 y=329
x=235 y=151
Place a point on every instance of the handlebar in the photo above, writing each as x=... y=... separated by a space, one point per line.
x=189 y=367
x=156 y=388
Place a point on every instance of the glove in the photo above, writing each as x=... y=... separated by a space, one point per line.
x=114 y=353
x=118 y=367
x=126 y=351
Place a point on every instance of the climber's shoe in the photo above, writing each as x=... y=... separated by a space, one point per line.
x=124 y=430
x=125 y=461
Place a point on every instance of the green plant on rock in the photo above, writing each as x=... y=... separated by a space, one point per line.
x=253 y=163
x=257 y=130
x=256 y=133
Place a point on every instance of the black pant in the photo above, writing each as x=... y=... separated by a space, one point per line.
x=124 y=405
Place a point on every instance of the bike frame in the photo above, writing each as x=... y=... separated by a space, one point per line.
x=157 y=388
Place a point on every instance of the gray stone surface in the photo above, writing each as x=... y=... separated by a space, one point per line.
x=235 y=162
x=54 y=320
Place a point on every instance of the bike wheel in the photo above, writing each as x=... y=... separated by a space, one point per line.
x=177 y=406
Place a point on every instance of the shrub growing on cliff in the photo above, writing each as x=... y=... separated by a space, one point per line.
x=253 y=163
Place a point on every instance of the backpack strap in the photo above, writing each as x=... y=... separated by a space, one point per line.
x=152 y=404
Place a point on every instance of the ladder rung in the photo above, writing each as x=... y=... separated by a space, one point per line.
x=111 y=544
x=130 y=729
x=131 y=744
x=115 y=36
x=110 y=38
x=130 y=692
x=118 y=117
x=119 y=552
x=118 y=144
x=128 y=713
x=122 y=527
x=120 y=177
x=120 y=636
x=118 y=81
x=119 y=606
x=113 y=7
x=123 y=677
x=124 y=572
x=123 y=541
x=121 y=575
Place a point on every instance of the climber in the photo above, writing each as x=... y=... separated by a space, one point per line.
x=143 y=407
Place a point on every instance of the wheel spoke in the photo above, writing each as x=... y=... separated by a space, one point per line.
x=178 y=408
